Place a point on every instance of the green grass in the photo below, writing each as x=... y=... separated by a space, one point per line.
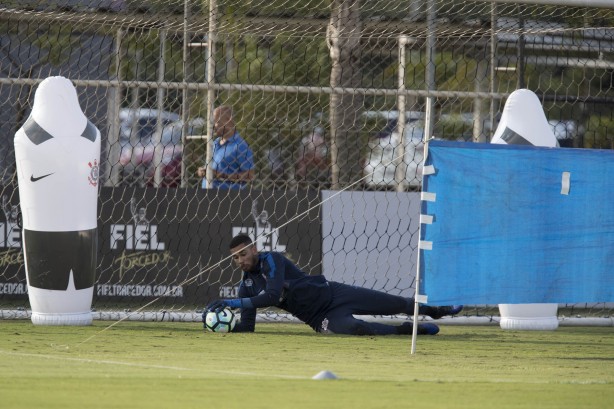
x=177 y=365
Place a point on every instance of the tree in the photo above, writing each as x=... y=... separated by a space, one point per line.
x=343 y=37
x=25 y=50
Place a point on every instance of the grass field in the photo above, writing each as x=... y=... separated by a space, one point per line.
x=177 y=365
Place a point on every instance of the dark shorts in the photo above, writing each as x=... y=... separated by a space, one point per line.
x=349 y=300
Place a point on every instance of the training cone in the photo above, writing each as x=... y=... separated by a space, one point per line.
x=324 y=375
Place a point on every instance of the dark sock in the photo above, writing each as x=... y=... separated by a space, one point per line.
x=426 y=310
x=405 y=329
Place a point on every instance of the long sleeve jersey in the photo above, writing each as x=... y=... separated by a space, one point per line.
x=276 y=282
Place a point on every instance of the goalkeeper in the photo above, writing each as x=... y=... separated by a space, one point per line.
x=271 y=280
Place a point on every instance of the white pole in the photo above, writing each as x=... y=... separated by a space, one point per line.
x=158 y=148
x=430 y=68
x=493 y=66
x=210 y=90
x=428 y=132
x=185 y=103
x=112 y=167
x=418 y=298
x=399 y=160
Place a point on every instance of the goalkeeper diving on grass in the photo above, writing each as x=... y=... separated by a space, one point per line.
x=272 y=280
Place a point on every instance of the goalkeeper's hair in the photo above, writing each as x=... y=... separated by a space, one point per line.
x=239 y=239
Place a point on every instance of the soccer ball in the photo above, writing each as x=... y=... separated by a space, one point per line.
x=223 y=321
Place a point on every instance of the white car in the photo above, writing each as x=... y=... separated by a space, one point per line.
x=564 y=130
x=137 y=126
x=384 y=154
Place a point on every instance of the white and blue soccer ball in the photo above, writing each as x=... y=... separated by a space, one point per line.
x=223 y=321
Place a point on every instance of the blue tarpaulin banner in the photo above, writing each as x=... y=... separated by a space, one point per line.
x=517 y=224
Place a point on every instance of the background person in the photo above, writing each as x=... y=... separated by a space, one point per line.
x=271 y=280
x=313 y=164
x=233 y=159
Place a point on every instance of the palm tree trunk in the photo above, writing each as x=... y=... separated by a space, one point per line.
x=343 y=36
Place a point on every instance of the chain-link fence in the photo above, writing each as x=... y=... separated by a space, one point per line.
x=315 y=85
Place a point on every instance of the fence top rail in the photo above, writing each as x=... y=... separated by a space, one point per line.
x=201 y=86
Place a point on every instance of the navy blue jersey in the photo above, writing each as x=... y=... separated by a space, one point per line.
x=276 y=282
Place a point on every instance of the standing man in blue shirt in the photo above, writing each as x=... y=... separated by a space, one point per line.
x=233 y=160
x=271 y=280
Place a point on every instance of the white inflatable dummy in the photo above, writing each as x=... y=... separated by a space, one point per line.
x=524 y=123
x=57 y=152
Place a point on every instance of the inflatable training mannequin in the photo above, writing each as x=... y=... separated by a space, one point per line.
x=57 y=153
x=524 y=123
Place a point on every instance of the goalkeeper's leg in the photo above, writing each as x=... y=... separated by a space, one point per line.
x=339 y=322
x=438 y=312
x=364 y=301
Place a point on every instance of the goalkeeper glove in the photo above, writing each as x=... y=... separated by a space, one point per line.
x=219 y=305
x=216 y=306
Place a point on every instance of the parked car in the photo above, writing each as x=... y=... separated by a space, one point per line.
x=136 y=128
x=564 y=130
x=384 y=146
x=313 y=163
x=384 y=155
x=135 y=124
x=139 y=162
